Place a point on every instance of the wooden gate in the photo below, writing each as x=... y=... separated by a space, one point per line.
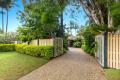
x=100 y=49
x=58 y=46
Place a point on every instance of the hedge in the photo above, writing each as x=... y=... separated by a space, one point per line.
x=20 y=48
x=39 y=51
x=7 y=47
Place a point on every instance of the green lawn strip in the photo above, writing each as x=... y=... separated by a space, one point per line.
x=14 y=65
x=112 y=74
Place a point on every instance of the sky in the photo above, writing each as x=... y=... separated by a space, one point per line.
x=78 y=16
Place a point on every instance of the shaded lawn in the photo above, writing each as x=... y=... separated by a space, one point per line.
x=112 y=74
x=14 y=65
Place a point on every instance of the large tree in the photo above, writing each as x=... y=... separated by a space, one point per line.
x=100 y=11
x=41 y=17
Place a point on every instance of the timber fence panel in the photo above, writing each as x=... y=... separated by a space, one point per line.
x=113 y=50
x=57 y=43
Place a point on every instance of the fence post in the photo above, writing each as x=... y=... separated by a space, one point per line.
x=105 y=48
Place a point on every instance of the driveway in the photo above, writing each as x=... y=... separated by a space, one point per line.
x=75 y=65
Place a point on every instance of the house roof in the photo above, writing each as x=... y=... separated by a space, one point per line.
x=71 y=37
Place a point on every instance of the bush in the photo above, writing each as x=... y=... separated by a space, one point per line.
x=88 y=38
x=77 y=44
x=65 y=45
x=39 y=51
x=20 y=48
x=7 y=47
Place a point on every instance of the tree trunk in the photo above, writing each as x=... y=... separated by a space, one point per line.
x=62 y=25
x=110 y=21
x=38 y=41
x=7 y=22
x=2 y=20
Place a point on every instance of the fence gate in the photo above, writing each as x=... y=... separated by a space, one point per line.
x=100 y=49
x=58 y=46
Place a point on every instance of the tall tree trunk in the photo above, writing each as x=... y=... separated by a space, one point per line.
x=7 y=22
x=2 y=20
x=62 y=25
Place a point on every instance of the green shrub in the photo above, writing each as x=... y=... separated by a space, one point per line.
x=65 y=44
x=20 y=48
x=39 y=51
x=77 y=44
x=46 y=51
x=7 y=47
x=88 y=34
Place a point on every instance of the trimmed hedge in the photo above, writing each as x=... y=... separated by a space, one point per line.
x=7 y=47
x=39 y=51
x=20 y=48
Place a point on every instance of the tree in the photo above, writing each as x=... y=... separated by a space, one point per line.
x=74 y=25
x=6 y=4
x=62 y=4
x=2 y=5
x=114 y=14
x=25 y=34
x=0 y=31
x=41 y=17
x=100 y=11
x=9 y=38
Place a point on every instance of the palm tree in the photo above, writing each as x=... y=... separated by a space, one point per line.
x=2 y=20
x=7 y=5
x=2 y=13
x=3 y=6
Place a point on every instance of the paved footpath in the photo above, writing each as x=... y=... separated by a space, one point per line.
x=75 y=65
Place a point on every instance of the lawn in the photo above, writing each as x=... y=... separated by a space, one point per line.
x=14 y=65
x=112 y=74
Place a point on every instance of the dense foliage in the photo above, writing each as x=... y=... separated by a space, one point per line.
x=88 y=38
x=7 y=47
x=20 y=48
x=77 y=44
x=39 y=51
x=40 y=19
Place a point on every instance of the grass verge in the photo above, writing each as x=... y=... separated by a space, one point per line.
x=112 y=74
x=14 y=65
